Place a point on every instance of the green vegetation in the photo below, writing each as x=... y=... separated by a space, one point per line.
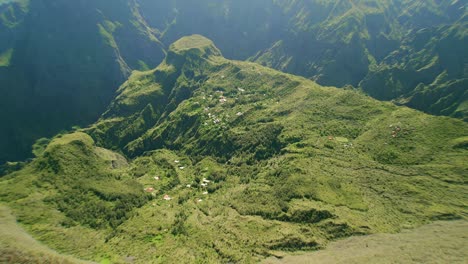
x=209 y=160
x=5 y=58
x=411 y=53
x=16 y=246
x=74 y=187
x=421 y=245
x=107 y=36
x=40 y=146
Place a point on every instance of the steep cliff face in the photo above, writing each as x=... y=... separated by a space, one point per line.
x=65 y=60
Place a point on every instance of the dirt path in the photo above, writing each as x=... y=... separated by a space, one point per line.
x=440 y=242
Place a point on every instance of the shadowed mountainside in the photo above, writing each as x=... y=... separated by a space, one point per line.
x=61 y=63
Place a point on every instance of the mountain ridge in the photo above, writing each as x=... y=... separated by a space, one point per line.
x=216 y=153
x=394 y=50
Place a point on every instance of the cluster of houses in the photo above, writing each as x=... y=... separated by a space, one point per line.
x=204 y=183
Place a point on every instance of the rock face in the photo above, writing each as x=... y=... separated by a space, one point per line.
x=302 y=165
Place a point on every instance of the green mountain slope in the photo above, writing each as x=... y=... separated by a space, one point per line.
x=55 y=75
x=393 y=50
x=229 y=161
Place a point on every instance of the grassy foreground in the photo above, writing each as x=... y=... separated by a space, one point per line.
x=17 y=246
x=440 y=242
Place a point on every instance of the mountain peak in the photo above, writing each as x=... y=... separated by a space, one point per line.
x=194 y=45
